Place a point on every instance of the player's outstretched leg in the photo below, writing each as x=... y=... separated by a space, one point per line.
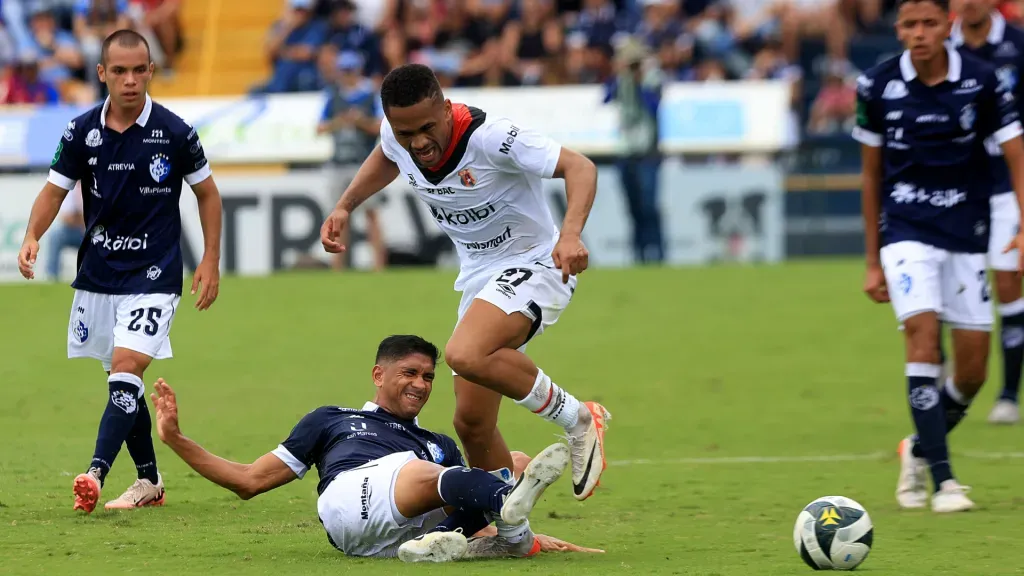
x=483 y=350
x=1011 y=313
x=148 y=489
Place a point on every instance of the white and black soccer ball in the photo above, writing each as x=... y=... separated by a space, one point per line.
x=833 y=533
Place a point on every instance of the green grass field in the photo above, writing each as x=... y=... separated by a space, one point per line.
x=719 y=381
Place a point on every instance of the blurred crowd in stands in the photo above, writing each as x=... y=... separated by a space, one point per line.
x=49 y=48
x=819 y=45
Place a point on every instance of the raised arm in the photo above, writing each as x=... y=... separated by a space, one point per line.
x=245 y=480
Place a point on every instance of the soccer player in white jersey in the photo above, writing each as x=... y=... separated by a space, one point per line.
x=482 y=178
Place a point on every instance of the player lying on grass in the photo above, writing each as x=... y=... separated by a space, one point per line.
x=385 y=481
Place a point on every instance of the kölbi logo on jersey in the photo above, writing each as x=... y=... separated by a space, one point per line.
x=100 y=236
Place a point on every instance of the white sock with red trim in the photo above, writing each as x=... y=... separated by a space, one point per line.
x=551 y=403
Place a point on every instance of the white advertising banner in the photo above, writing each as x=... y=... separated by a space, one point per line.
x=706 y=117
x=273 y=222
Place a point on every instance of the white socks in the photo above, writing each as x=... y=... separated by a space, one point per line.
x=551 y=403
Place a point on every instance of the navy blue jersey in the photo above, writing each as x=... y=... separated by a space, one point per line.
x=337 y=439
x=1004 y=49
x=131 y=185
x=936 y=177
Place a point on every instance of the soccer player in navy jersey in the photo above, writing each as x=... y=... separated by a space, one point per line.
x=923 y=120
x=131 y=156
x=384 y=480
x=982 y=31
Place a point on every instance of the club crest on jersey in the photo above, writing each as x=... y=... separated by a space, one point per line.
x=93 y=139
x=153 y=273
x=468 y=180
x=435 y=452
x=1007 y=77
x=967 y=117
x=160 y=167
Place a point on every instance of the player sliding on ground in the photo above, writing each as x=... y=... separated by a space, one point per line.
x=982 y=31
x=384 y=481
x=925 y=120
x=482 y=177
x=131 y=155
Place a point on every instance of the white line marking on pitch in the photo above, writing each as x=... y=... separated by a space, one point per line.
x=797 y=459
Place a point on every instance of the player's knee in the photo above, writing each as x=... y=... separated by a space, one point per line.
x=462 y=359
x=474 y=429
x=922 y=336
x=1008 y=287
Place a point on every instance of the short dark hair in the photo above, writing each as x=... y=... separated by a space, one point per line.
x=408 y=85
x=943 y=4
x=124 y=38
x=394 y=348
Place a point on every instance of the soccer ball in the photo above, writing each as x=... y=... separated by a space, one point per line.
x=833 y=533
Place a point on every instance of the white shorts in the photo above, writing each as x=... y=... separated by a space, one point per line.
x=358 y=510
x=101 y=322
x=1005 y=225
x=923 y=278
x=535 y=289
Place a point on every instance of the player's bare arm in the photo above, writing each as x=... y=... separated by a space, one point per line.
x=374 y=174
x=580 y=174
x=871 y=178
x=245 y=480
x=44 y=211
x=207 y=276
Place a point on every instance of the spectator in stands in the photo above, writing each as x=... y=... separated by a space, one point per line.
x=814 y=18
x=352 y=117
x=532 y=44
x=68 y=231
x=292 y=47
x=485 y=20
x=834 y=108
x=21 y=83
x=160 y=22
x=94 y=20
x=59 y=56
x=636 y=90
x=347 y=34
x=590 y=35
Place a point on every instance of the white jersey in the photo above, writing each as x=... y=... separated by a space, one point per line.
x=488 y=195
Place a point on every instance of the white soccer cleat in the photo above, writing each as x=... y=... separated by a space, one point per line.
x=912 y=487
x=141 y=493
x=1004 y=412
x=434 y=547
x=543 y=471
x=587 y=451
x=951 y=497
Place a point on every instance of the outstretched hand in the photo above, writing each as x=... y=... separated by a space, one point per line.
x=552 y=544
x=166 y=410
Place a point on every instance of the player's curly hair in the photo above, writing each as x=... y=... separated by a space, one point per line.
x=944 y=4
x=407 y=85
x=394 y=348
